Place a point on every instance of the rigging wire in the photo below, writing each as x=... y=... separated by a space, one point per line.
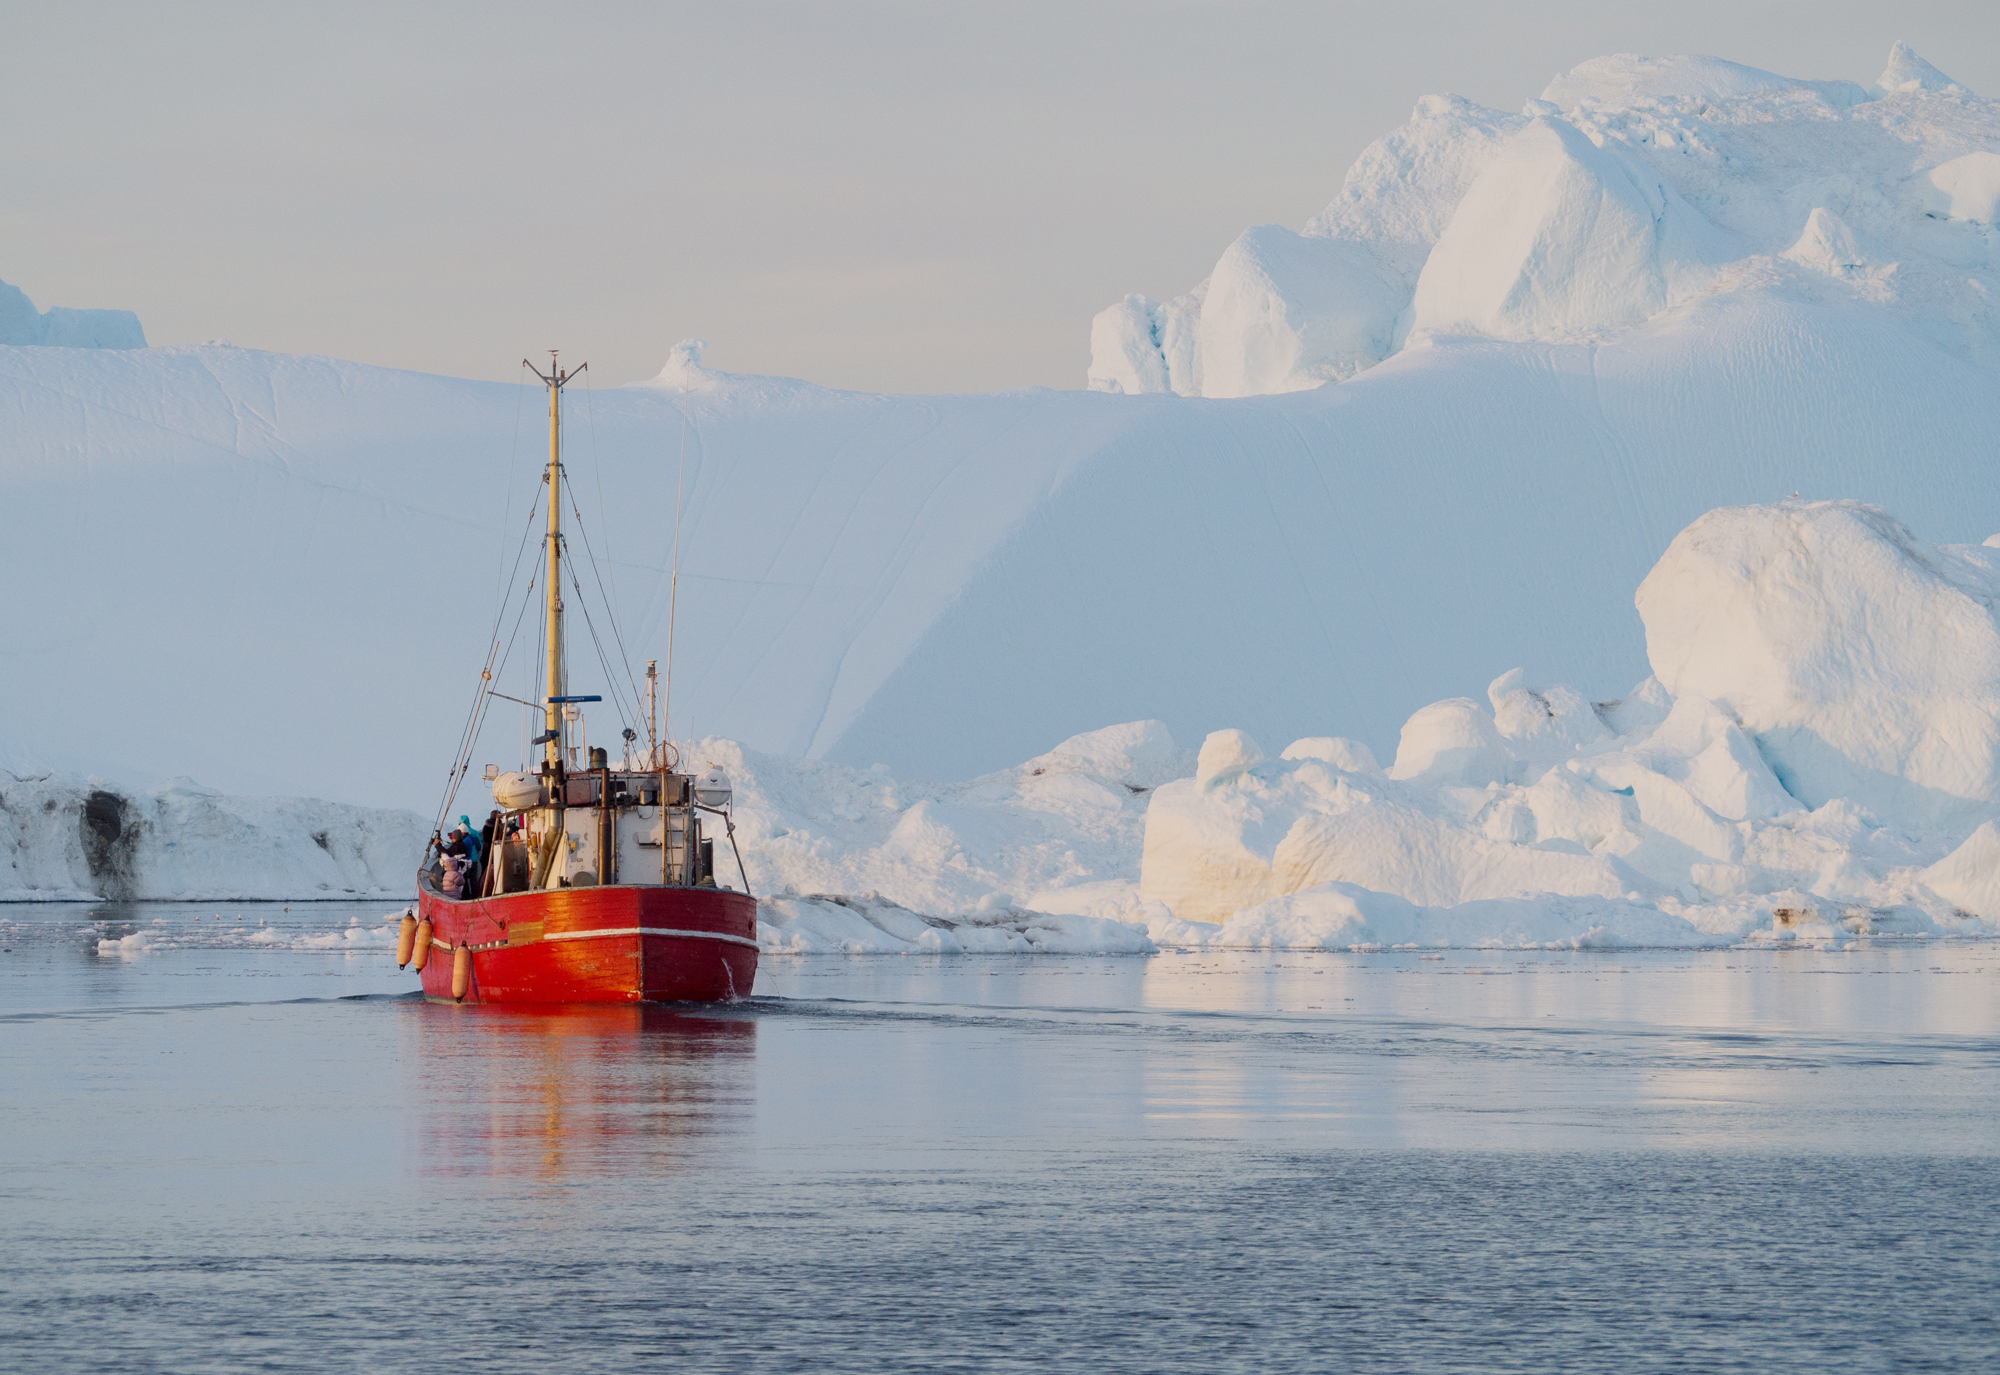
x=469 y=733
x=603 y=659
x=604 y=521
x=611 y=608
x=617 y=701
x=488 y=694
x=513 y=462
x=513 y=639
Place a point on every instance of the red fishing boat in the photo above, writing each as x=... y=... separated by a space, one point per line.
x=588 y=882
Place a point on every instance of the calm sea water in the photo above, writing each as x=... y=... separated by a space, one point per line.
x=218 y=1152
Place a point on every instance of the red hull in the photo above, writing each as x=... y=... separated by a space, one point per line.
x=595 y=945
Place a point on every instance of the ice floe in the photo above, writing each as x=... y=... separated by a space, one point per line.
x=825 y=924
x=199 y=930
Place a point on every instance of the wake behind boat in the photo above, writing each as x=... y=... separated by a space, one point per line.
x=587 y=883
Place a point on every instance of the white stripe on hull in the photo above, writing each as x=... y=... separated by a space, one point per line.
x=649 y=931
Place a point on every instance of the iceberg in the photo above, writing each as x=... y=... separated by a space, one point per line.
x=1817 y=749
x=1630 y=188
x=946 y=584
x=1049 y=846
x=1865 y=662
x=1620 y=79
x=1813 y=759
x=1965 y=188
x=939 y=584
x=1908 y=74
x=22 y=326
x=71 y=838
x=1257 y=334
x=1559 y=238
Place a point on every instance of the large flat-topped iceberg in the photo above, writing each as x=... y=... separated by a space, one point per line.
x=944 y=584
x=940 y=584
x=21 y=325
x=1629 y=188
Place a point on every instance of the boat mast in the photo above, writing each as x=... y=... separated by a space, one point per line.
x=652 y=712
x=552 y=712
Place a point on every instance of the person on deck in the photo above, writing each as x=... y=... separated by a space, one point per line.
x=455 y=856
x=474 y=848
x=475 y=856
x=452 y=877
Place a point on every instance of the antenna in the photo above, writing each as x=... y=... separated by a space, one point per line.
x=652 y=711
x=674 y=581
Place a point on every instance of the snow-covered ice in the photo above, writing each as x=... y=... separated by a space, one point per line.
x=947 y=584
x=1255 y=339
x=941 y=584
x=1815 y=757
x=21 y=325
x=65 y=838
x=1690 y=286
x=1631 y=186
x=1814 y=760
x=1559 y=238
x=1043 y=856
x=1865 y=661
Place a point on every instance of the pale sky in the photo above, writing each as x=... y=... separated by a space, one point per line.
x=890 y=196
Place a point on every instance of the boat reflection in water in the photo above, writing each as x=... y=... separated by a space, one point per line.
x=557 y=1092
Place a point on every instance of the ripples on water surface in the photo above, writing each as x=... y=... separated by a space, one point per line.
x=220 y=1152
